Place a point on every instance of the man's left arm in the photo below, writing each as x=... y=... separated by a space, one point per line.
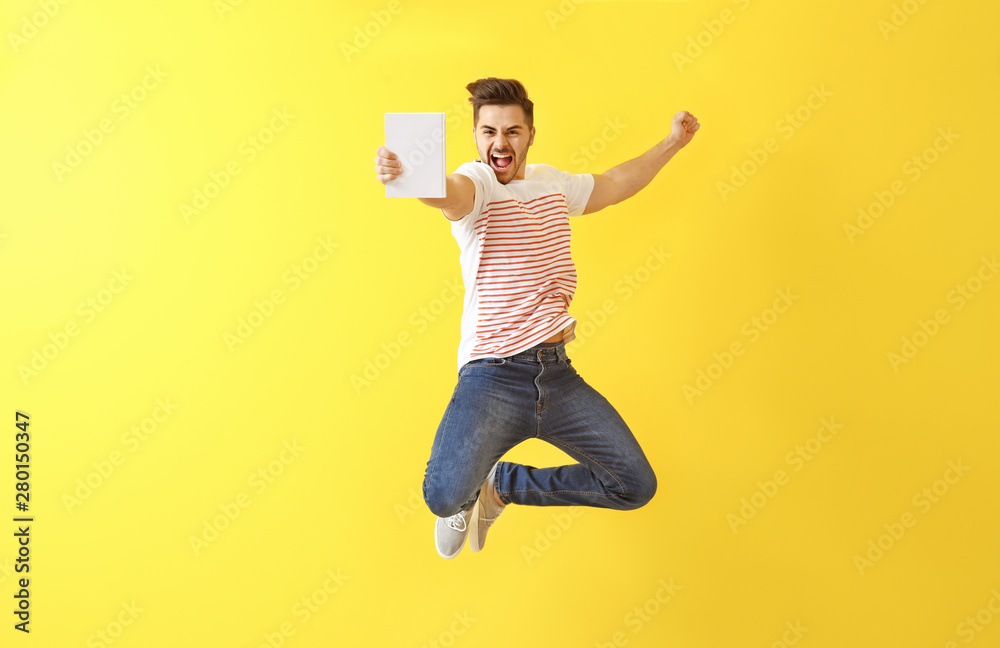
x=625 y=180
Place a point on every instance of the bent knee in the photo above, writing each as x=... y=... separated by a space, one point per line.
x=442 y=502
x=641 y=493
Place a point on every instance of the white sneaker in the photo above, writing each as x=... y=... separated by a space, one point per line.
x=450 y=532
x=486 y=513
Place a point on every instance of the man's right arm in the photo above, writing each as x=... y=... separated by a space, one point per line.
x=460 y=192
x=460 y=196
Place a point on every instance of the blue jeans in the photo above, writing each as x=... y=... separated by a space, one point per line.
x=535 y=394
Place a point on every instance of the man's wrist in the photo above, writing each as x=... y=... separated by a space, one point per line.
x=671 y=144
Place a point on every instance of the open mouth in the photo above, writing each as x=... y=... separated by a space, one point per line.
x=501 y=160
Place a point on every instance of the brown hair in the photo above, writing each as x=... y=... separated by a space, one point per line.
x=492 y=91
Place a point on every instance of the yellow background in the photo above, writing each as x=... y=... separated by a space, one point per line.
x=349 y=502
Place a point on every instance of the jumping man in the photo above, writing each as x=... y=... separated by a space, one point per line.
x=515 y=381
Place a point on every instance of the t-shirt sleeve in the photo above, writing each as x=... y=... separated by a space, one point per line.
x=577 y=188
x=481 y=177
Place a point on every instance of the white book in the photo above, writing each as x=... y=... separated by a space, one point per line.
x=418 y=141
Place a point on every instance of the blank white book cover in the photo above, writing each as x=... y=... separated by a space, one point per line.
x=418 y=140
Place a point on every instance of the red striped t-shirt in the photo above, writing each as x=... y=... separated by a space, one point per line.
x=515 y=255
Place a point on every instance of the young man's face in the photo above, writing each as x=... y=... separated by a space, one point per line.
x=502 y=139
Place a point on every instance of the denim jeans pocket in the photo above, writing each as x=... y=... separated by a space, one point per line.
x=482 y=362
x=489 y=362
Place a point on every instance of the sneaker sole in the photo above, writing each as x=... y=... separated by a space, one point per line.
x=475 y=546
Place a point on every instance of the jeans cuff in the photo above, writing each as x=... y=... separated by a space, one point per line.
x=496 y=478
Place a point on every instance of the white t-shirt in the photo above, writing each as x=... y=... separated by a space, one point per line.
x=515 y=255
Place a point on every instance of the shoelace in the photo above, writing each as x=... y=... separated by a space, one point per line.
x=456 y=522
x=490 y=520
